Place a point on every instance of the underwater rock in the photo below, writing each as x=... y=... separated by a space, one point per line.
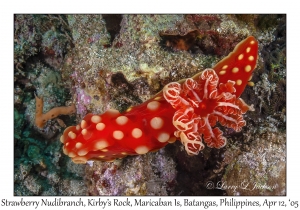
x=150 y=174
x=261 y=170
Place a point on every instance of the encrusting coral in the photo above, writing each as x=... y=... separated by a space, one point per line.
x=41 y=118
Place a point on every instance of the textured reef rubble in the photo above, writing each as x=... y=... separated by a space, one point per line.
x=116 y=61
x=153 y=174
x=259 y=170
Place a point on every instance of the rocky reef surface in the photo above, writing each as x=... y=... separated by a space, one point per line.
x=116 y=61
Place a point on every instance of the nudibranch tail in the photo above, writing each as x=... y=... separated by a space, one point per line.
x=239 y=64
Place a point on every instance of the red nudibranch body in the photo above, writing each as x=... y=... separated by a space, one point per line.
x=187 y=110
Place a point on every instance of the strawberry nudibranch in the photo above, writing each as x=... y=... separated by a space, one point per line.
x=187 y=110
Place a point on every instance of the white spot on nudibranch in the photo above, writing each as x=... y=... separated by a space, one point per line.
x=136 y=133
x=251 y=84
x=96 y=119
x=83 y=124
x=118 y=135
x=156 y=122
x=235 y=70
x=222 y=72
x=225 y=67
x=241 y=56
x=100 y=145
x=122 y=120
x=84 y=132
x=129 y=109
x=153 y=105
x=72 y=135
x=100 y=126
x=82 y=152
x=247 y=68
x=250 y=58
x=78 y=145
x=163 y=137
x=141 y=150
x=239 y=82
